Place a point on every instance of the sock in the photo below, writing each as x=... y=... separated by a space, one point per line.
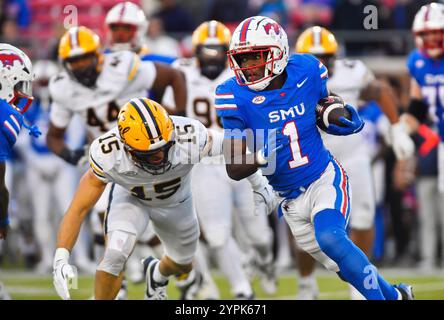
x=353 y=264
x=389 y=291
x=158 y=276
x=229 y=261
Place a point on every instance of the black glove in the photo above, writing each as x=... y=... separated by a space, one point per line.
x=72 y=156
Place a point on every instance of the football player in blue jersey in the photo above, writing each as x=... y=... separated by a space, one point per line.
x=426 y=68
x=15 y=98
x=279 y=95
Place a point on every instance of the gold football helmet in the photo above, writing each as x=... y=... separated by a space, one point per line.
x=80 y=54
x=319 y=42
x=210 y=44
x=147 y=133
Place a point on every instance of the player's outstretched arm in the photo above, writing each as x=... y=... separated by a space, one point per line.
x=4 y=200
x=168 y=76
x=399 y=138
x=239 y=164
x=88 y=192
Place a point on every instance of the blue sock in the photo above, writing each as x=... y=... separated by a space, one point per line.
x=389 y=291
x=353 y=264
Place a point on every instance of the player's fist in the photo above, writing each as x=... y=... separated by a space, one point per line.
x=402 y=144
x=63 y=273
x=264 y=200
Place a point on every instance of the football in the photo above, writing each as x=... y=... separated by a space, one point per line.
x=329 y=110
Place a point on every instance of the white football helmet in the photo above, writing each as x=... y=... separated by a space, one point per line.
x=16 y=77
x=127 y=13
x=430 y=19
x=263 y=36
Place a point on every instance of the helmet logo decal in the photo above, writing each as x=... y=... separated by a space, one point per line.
x=243 y=33
x=274 y=26
x=8 y=59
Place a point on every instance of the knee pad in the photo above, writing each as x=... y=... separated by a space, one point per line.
x=119 y=247
x=330 y=233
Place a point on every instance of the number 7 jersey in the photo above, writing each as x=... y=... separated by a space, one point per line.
x=122 y=78
x=111 y=163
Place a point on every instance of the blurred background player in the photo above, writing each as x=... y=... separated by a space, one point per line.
x=355 y=83
x=127 y=27
x=426 y=69
x=56 y=179
x=15 y=99
x=216 y=209
x=94 y=85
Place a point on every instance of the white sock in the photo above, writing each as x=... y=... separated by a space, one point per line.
x=158 y=276
x=308 y=281
x=229 y=261
x=399 y=294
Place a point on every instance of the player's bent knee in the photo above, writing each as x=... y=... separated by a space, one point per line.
x=119 y=248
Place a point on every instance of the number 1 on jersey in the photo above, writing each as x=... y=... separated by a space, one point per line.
x=291 y=131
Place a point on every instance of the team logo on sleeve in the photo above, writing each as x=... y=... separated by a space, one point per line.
x=258 y=99
x=419 y=63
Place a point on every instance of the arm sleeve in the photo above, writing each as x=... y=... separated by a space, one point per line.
x=5 y=148
x=319 y=72
x=59 y=115
x=96 y=162
x=323 y=75
x=227 y=109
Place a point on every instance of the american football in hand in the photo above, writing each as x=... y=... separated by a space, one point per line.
x=329 y=110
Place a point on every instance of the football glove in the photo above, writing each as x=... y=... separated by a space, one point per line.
x=350 y=126
x=63 y=273
x=402 y=144
x=265 y=200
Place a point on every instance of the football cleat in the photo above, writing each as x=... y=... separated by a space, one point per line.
x=244 y=296
x=190 y=286
x=154 y=289
x=406 y=291
x=267 y=275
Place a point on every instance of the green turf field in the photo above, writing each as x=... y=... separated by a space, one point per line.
x=30 y=286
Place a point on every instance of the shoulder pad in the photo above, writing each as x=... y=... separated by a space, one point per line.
x=225 y=100
x=60 y=86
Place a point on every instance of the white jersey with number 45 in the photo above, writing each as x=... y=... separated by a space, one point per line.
x=122 y=78
x=111 y=163
x=200 y=103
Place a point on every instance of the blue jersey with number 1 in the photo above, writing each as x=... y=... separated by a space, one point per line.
x=11 y=122
x=291 y=109
x=429 y=74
